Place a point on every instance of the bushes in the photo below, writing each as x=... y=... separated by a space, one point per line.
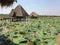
x=34 y=31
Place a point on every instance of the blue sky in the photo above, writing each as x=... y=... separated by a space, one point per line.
x=43 y=7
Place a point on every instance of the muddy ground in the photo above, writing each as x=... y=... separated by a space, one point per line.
x=58 y=39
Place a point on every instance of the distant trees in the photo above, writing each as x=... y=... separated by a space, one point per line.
x=7 y=2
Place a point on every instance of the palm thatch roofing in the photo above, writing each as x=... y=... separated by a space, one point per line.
x=7 y=2
x=33 y=14
x=19 y=12
x=12 y=12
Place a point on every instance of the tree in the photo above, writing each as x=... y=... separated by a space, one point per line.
x=7 y=2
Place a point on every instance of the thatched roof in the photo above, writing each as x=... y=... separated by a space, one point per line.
x=12 y=12
x=19 y=11
x=7 y=2
x=33 y=14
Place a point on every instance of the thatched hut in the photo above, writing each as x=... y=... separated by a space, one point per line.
x=34 y=15
x=18 y=13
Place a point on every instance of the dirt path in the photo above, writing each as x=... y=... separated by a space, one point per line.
x=58 y=39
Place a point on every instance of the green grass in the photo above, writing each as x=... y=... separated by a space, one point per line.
x=2 y=16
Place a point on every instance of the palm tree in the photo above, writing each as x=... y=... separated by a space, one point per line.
x=7 y=2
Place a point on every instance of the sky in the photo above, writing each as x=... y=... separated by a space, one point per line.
x=42 y=7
